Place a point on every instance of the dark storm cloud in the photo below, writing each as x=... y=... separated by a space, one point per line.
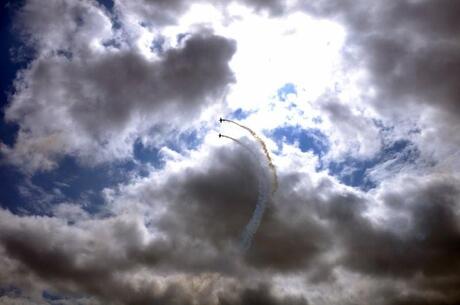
x=207 y=207
x=72 y=261
x=432 y=243
x=305 y=223
x=423 y=241
x=290 y=237
x=260 y=295
x=221 y=195
x=214 y=202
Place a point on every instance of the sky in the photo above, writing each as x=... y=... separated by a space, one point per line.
x=115 y=187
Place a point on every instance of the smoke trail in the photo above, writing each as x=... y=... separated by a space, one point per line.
x=254 y=222
x=264 y=147
x=240 y=143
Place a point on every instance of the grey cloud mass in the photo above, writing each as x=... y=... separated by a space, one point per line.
x=409 y=47
x=221 y=195
x=317 y=229
x=100 y=95
x=161 y=12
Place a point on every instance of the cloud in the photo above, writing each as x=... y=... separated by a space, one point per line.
x=97 y=101
x=262 y=294
x=106 y=260
x=6 y=300
x=316 y=226
x=417 y=242
x=161 y=13
x=351 y=131
x=76 y=27
x=170 y=235
x=408 y=51
x=426 y=244
x=184 y=222
x=72 y=259
x=220 y=194
x=70 y=255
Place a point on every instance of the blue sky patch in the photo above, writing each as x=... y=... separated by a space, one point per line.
x=352 y=172
x=239 y=114
x=10 y=198
x=312 y=140
x=108 y=4
x=180 y=142
x=355 y=172
x=284 y=91
x=181 y=36
x=72 y=181
x=147 y=154
x=111 y=43
x=14 y=55
x=185 y=141
x=157 y=45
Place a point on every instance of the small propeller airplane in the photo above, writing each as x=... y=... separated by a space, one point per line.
x=220 y=120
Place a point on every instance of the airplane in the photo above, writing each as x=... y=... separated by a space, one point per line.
x=221 y=120
x=220 y=135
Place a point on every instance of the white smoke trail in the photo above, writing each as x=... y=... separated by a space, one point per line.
x=265 y=150
x=254 y=222
x=261 y=204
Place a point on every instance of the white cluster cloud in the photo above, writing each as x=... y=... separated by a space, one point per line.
x=85 y=97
